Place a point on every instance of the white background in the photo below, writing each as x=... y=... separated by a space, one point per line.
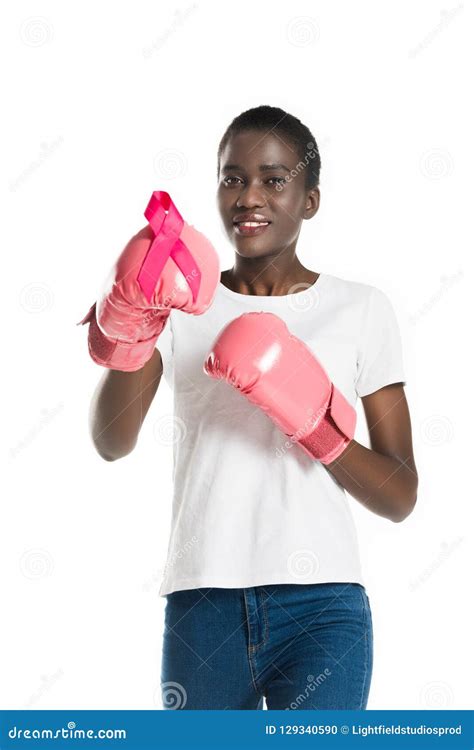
x=106 y=102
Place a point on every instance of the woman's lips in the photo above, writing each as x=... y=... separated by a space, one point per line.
x=250 y=228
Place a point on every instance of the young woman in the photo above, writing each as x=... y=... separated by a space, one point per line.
x=264 y=591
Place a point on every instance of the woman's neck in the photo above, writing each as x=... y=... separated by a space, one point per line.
x=267 y=280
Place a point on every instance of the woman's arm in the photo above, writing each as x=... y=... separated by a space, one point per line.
x=384 y=479
x=119 y=406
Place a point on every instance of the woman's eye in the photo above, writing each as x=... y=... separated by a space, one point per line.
x=280 y=180
x=233 y=180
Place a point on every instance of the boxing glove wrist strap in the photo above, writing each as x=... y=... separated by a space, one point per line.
x=115 y=354
x=333 y=432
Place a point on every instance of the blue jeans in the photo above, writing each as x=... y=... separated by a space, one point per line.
x=299 y=646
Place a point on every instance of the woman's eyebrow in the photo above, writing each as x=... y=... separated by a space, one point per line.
x=262 y=167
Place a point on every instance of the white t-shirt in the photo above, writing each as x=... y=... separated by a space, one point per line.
x=250 y=507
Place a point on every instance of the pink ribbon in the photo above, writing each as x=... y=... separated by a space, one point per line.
x=167 y=224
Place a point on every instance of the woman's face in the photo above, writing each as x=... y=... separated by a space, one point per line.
x=258 y=177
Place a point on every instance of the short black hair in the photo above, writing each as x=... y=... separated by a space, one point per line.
x=266 y=118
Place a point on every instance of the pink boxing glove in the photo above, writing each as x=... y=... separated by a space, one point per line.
x=168 y=264
x=257 y=354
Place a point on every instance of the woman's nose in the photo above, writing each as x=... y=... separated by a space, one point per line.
x=252 y=195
